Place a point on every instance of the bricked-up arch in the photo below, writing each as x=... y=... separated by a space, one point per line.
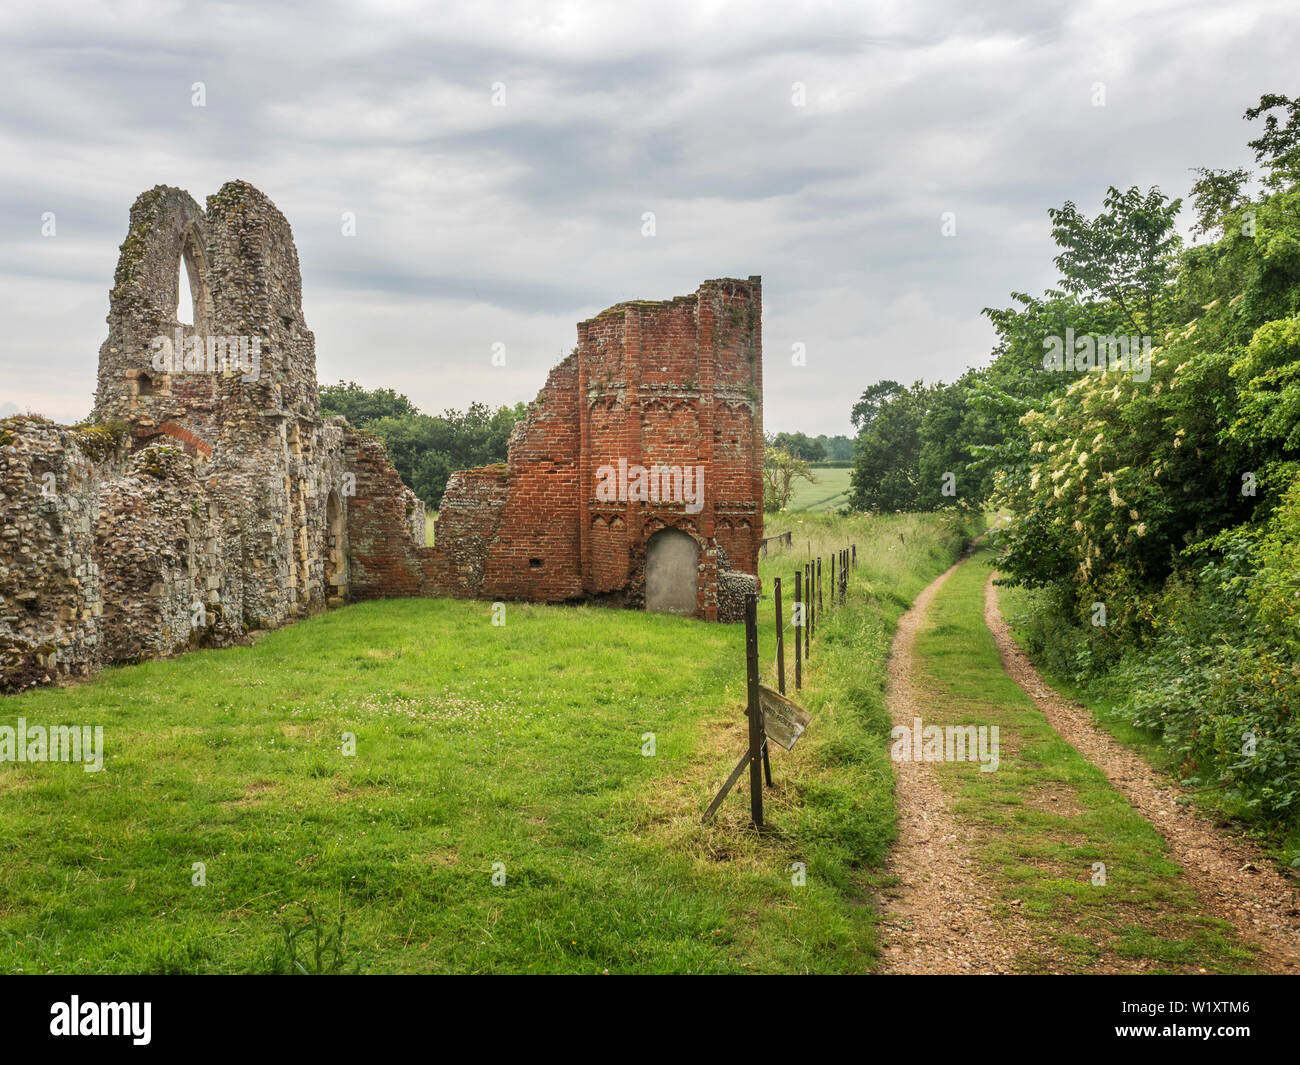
x=672 y=573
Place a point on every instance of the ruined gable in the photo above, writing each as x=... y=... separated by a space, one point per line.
x=652 y=386
x=210 y=498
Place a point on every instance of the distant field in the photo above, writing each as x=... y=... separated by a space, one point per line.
x=829 y=492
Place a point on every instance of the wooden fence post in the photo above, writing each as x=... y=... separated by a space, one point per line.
x=780 y=637
x=809 y=614
x=819 y=584
x=798 y=633
x=755 y=712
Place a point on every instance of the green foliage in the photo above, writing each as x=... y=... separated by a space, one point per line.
x=1216 y=194
x=886 y=467
x=781 y=470
x=98 y=441
x=1168 y=499
x=361 y=406
x=1269 y=374
x=799 y=446
x=314 y=946
x=911 y=453
x=425 y=449
x=1125 y=256
x=837 y=448
x=1278 y=147
x=1175 y=502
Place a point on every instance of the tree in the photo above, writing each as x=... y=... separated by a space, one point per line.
x=425 y=449
x=875 y=397
x=780 y=471
x=1278 y=147
x=886 y=469
x=1215 y=195
x=837 y=448
x=361 y=406
x=1126 y=255
x=800 y=446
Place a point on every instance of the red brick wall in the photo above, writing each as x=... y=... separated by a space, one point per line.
x=535 y=552
x=676 y=383
x=383 y=559
x=466 y=529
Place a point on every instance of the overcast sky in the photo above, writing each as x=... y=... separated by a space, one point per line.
x=479 y=224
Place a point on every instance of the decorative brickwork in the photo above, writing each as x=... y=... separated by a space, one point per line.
x=674 y=384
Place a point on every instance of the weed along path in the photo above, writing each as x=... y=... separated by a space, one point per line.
x=1234 y=879
x=1016 y=852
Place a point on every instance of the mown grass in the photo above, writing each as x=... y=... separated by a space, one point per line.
x=1047 y=815
x=475 y=745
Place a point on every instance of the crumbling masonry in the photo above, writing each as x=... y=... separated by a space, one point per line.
x=675 y=385
x=207 y=497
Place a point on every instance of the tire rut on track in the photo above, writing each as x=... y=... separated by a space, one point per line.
x=938 y=917
x=1235 y=880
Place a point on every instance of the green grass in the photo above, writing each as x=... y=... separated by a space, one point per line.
x=828 y=492
x=1105 y=698
x=475 y=745
x=1047 y=814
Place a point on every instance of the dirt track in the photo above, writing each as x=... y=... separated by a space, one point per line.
x=939 y=917
x=1234 y=878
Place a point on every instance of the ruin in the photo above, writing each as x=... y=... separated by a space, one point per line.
x=672 y=389
x=207 y=496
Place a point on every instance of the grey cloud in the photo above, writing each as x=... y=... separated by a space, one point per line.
x=478 y=223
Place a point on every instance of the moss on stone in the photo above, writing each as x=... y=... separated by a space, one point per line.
x=143 y=216
x=97 y=442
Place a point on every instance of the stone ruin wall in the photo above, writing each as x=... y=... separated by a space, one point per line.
x=196 y=507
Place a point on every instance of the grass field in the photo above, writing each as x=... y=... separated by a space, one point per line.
x=828 y=493
x=500 y=812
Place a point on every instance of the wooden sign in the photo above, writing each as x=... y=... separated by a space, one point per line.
x=783 y=721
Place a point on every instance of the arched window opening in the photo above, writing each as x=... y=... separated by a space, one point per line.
x=184 y=297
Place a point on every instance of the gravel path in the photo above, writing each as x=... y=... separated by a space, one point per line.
x=1234 y=878
x=938 y=917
